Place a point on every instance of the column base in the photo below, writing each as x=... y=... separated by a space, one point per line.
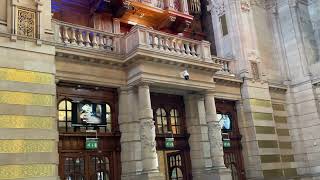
x=144 y=176
x=214 y=173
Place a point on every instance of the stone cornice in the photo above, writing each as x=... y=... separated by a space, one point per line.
x=278 y=88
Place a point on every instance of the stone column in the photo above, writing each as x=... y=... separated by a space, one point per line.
x=130 y=134
x=215 y=139
x=147 y=133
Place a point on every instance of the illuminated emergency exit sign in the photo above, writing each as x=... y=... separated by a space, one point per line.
x=91 y=143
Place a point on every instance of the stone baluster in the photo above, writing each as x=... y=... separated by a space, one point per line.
x=108 y=43
x=60 y=30
x=170 y=44
x=94 y=40
x=101 y=42
x=65 y=35
x=193 y=51
x=113 y=43
x=165 y=43
x=214 y=132
x=197 y=49
x=73 y=38
x=177 y=46
x=80 y=38
x=183 y=49
x=188 y=48
x=160 y=42
x=154 y=42
x=87 y=39
x=147 y=130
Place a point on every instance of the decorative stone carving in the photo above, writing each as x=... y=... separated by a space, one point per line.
x=26 y=23
x=148 y=135
x=255 y=70
x=217 y=6
x=245 y=5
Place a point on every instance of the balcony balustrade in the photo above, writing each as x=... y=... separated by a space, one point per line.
x=139 y=41
x=163 y=43
x=84 y=37
x=227 y=66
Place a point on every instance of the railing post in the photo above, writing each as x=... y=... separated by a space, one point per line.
x=205 y=51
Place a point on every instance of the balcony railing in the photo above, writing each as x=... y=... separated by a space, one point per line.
x=140 y=39
x=84 y=37
x=227 y=66
x=164 y=43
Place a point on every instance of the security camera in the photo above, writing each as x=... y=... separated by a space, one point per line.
x=184 y=74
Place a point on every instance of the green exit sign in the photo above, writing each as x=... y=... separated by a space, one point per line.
x=91 y=143
x=169 y=142
x=226 y=143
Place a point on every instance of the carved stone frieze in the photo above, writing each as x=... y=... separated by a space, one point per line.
x=26 y=23
x=148 y=135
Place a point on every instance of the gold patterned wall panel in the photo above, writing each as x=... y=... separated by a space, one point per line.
x=8 y=74
x=26 y=146
x=280 y=119
x=270 y=158
x=32 y=122
x=8 y=97
x=27 y=171
x=265 y=130
x=262 y=116
x=285 y=145
x=278 y=107
x=283 y=132
x=26 y=23
x=272 y=173
x=290 y=172
x=267 y=144
x=287 y=158
x=260 y=102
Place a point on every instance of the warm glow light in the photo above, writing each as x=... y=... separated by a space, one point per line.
x=132 y=23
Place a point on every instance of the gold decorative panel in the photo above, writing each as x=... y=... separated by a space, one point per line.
x=262 y=116
x=26 y=146
x=270 y=158
x=287 y=158
x=26 y=23
x=272 y=173
x=283 y=132
x=8 y=74
x=265 y=130
x=32 y=122
x=8 y=97
x=27 y=171
x=259 y=102
x=285 y=145
x=280 y=119
x=278 y=107
x=290 y=172
x=267 y=144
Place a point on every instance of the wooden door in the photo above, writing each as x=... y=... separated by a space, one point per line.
x=176 y=166
x=86 y=166
x=233 y=159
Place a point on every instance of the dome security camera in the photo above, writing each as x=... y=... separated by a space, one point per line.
x=184 y=74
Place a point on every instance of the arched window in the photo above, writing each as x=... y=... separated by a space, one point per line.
x=65 y=113
x=175 y=121
x=161 y=121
